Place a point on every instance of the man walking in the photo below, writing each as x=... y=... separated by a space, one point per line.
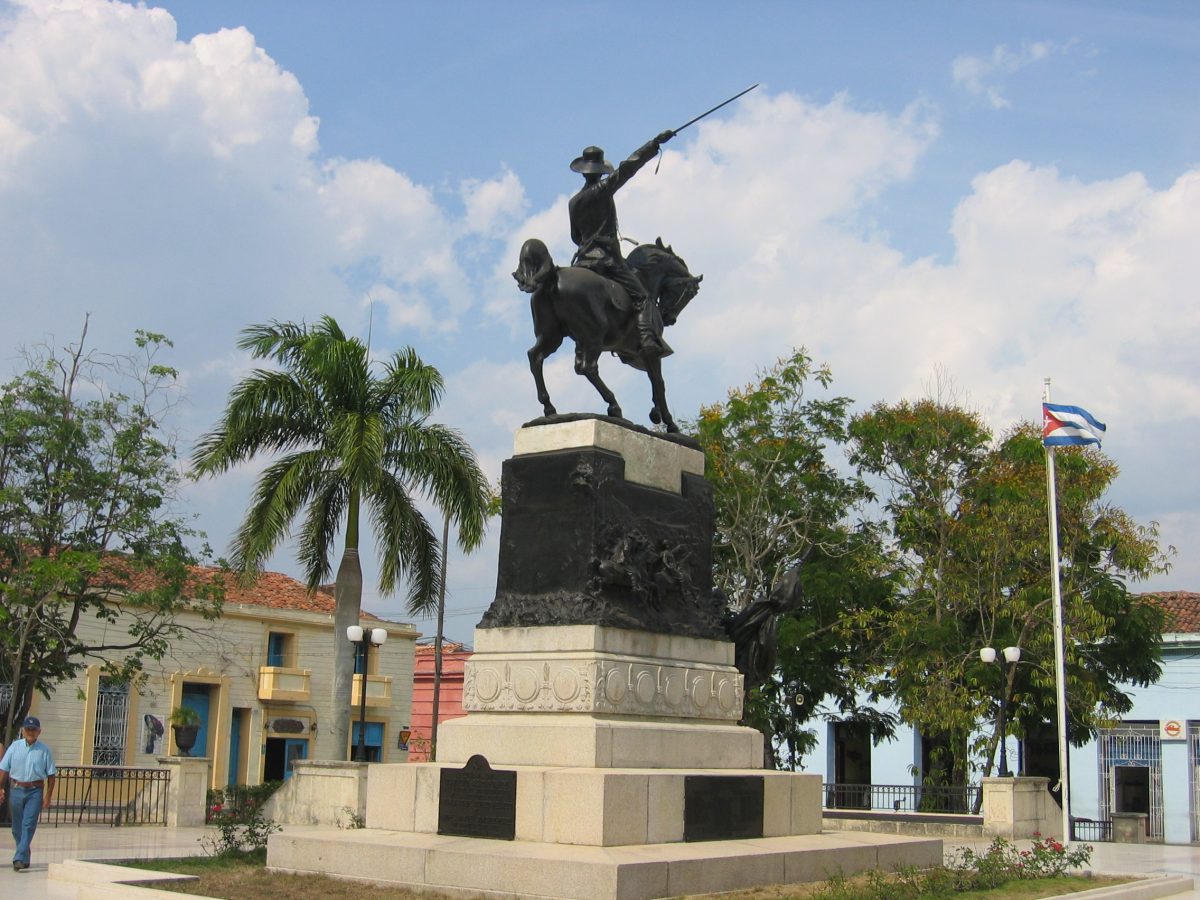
x=28 y=766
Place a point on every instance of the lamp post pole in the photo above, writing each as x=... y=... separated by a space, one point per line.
x=364 y=638
x=1009 y=655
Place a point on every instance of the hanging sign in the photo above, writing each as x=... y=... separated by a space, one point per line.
x=402 y=744
x=1172 y=730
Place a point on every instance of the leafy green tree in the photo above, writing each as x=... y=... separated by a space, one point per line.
x=344 y=438
x=923 y=644
x=87 y=487
x=781 y=503
x=971 y=554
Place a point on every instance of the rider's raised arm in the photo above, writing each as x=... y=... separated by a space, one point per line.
x=637 y=159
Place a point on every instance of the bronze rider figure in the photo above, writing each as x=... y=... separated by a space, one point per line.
x=594 y=229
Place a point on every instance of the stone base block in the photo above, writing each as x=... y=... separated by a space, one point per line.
x=591 y=807
x=320 y=792
x=572 y=739
x=607 y=671
x=472 y=867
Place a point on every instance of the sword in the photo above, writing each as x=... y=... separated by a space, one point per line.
x=714 y=109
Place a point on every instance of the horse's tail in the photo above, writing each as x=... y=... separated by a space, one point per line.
x=534 y=266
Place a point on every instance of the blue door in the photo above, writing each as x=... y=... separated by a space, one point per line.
x=235 y=745
x=195 y=696
x=372 y=742
x=293 y=749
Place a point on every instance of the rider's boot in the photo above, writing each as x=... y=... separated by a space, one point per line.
x=647 y=340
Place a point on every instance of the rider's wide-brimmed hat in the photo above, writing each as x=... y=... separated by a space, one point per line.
x=592 y=162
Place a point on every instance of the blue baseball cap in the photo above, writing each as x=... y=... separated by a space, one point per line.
x=32 y=722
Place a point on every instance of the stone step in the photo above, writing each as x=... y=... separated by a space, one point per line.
x=542 y=870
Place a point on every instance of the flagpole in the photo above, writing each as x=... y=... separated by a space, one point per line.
x=1060 y=675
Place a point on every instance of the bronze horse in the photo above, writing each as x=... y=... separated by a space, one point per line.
x=597 y=315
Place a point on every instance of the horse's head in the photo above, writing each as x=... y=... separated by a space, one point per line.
x=666 y=277
x=534 y=266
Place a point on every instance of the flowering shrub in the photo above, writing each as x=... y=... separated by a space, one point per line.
x=965 y=870
x=236 y=811
x=1048 y=858
x=1001 y=862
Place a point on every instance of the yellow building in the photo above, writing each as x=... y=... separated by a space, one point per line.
x=261 y=679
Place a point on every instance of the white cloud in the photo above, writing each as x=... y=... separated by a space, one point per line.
x=184 y=180
x=180 y=187
x=981 y=76
x=492 y=206
x=1088 y=282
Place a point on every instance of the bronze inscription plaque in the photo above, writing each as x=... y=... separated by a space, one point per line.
x=478 y=801
x=722 y=807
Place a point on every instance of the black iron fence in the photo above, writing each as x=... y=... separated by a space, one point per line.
x=927 y=798
x=108 y=795
x=1098 y=830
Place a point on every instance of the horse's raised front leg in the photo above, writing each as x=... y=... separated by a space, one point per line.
x=543 y=347
x=587 y=364
x=658 y=390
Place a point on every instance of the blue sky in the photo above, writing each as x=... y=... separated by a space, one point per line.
x=978 y=195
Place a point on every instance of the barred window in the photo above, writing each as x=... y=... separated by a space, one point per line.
x=112 y=723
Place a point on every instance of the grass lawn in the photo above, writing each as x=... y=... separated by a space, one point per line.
x=247 y=879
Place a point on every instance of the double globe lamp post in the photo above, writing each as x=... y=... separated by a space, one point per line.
x=364 y=639
x=1009 y=655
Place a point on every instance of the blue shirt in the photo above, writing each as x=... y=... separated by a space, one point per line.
x=28 y=762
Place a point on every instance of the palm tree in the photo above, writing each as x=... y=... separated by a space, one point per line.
x=345 y=438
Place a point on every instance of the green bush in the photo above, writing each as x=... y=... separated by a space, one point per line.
x=238 y=799
x=1001 y=862
x=965 y=870
x=237 y=813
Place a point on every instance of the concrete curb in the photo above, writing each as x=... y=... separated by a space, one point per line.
x=112 y=882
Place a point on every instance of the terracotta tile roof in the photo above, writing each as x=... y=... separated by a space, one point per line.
x=271 y=589
x=447 y=647
x=1182 y=609
x=279 y=591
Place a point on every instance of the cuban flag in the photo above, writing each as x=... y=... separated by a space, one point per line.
x=1069 y=425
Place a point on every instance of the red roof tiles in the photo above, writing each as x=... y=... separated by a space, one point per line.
x=271 y=589
x=1182 y=609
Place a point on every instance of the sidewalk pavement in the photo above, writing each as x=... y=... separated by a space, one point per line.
x=98 y=842
x=55 y=844
x=1129 y=859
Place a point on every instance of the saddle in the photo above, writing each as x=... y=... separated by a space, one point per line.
x=598 y=265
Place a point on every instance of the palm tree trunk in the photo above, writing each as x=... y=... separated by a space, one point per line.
x=347 y=607
x=437 y=644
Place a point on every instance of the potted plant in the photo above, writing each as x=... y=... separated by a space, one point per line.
x=185 y=723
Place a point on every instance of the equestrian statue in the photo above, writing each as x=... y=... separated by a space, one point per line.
x=603 y=301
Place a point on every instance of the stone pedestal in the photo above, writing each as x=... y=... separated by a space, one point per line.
x=605 y=524
x=1129 y=828
x=584 y=695
x=601 y=738
x=1015 y=808
x=320 y=792
x=187 y=795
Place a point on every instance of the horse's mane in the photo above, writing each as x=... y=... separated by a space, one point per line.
x=650 y=254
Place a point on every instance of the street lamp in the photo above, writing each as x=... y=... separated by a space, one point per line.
x=363 y=638
x=1009 y=655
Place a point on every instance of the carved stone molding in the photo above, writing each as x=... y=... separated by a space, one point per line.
x=608 y=685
